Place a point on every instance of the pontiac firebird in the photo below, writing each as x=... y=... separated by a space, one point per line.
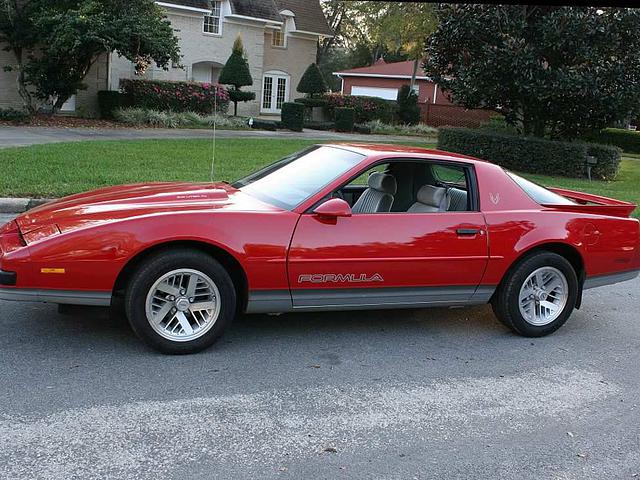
x=334 y=227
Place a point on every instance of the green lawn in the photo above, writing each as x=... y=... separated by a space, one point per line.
x=61 y=169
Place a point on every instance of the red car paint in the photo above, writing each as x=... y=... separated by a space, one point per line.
x=89 y=239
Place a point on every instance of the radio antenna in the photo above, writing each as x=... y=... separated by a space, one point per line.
x=215 y=121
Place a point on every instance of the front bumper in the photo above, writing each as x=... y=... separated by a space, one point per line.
x=8 y=279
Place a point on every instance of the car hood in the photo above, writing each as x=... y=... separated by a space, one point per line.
x=127 y=201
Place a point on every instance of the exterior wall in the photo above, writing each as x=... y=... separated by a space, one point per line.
x=299 y=53
x=426 y=88
x=9 y=97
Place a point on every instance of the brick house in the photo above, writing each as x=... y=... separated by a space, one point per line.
x=280 y=38
x=384 y=79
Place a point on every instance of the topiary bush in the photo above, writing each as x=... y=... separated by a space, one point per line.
x=345 y=119
x=108 y=102
x=312 y=82
x=523 y=154
x=627 y=140
x=293 y=116
x=237 y=74
x=408 y=109
x=366 y=109
x=175 y=96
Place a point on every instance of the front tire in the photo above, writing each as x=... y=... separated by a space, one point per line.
x=538 y=295
x=180 y=301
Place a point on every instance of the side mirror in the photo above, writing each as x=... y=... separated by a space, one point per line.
x=333 y=208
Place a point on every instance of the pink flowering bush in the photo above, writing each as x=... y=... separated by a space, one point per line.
x=175 y=96
x=366 y=108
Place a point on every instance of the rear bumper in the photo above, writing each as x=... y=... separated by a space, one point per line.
x=610 y=279
x=64 y=297
x=8 y=279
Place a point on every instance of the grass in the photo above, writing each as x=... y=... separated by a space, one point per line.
x=60 y=169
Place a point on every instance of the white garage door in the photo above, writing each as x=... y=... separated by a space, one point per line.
x=386 y=93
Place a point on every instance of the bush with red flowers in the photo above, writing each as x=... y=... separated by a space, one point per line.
x=175 y=96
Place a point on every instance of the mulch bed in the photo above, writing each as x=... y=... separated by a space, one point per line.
x=65 y=122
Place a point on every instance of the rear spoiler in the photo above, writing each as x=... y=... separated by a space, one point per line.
x=589 y=203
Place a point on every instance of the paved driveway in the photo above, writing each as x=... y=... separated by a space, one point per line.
x=376 y=395
x=23 y=136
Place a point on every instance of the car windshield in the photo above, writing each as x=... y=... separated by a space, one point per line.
x=292 y=180
x=538 y=193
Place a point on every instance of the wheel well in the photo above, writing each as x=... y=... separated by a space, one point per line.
x=233 y=267
x=571 y=254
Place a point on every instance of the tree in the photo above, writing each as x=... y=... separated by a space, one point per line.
x=312 y=81
x=237 y=74
x=556 y=71
x=65 y=38
x=408 y=109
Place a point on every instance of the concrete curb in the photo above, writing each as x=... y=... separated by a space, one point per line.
x=21 y=205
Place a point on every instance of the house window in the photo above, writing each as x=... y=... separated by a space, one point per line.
x=213 y=21
x=277 y=40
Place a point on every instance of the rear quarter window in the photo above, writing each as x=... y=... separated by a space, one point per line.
x=538 y=193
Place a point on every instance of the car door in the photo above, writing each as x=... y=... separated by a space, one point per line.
x=388 y=259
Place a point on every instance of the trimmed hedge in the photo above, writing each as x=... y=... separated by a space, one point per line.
x=264 y=125
x=345 y=119
x=363 y=129
x=108 y=102
x=408 y=109
x=627 y=140
x=312 y=102
x=175 y=96
x=608 y=161
x=523 y=154
x=293 y=116
x=366 y=109
x=13 y=115
x=320 y=125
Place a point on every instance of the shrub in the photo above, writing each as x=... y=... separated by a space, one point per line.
x=156 y=118
x=312 y=102
x=320 y=125
x=408 y=109
x=498 y=124
x=608 y=161
x=236 y=73
x=420 y=129
x=362 y=128
x=366 y=108
x=312 y=81
x=345 y=118
x=523 y=154
x=108 y=102
x=627 y=140
x=264 y=125
x=13 y=115
x=175 y=96
x=293 y=116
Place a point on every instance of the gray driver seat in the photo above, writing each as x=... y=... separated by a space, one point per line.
x=431 y=199
x=379 y=196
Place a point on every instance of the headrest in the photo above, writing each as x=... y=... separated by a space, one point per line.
x=430 y=195
x=383 y=183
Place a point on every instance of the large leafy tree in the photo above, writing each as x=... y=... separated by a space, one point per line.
x=237 y=74
x=60 y=40
x=555 y=71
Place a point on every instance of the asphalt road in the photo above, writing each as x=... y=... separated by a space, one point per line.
x=376 y=395
x=25 y=136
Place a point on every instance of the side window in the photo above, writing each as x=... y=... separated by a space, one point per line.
x=455 y=180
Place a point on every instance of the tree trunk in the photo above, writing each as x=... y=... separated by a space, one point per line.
x=25 y=95
x=235 y=108
x=414 y=74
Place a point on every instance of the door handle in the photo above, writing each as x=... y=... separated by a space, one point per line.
x=467 y=232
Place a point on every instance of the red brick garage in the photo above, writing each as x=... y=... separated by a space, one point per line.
x=385 y=79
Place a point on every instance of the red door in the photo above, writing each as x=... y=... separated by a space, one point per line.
x=389 y=259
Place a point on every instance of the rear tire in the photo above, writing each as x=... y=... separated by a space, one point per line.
x=180 y=301
x=538 y=295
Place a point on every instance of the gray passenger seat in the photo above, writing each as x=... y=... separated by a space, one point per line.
x=379 y=196
x=458 y=200
x=431 y=199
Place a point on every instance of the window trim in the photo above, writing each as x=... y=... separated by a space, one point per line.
x=218 y=3
x=472 y=184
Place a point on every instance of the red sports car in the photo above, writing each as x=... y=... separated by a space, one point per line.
x=334 y=227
